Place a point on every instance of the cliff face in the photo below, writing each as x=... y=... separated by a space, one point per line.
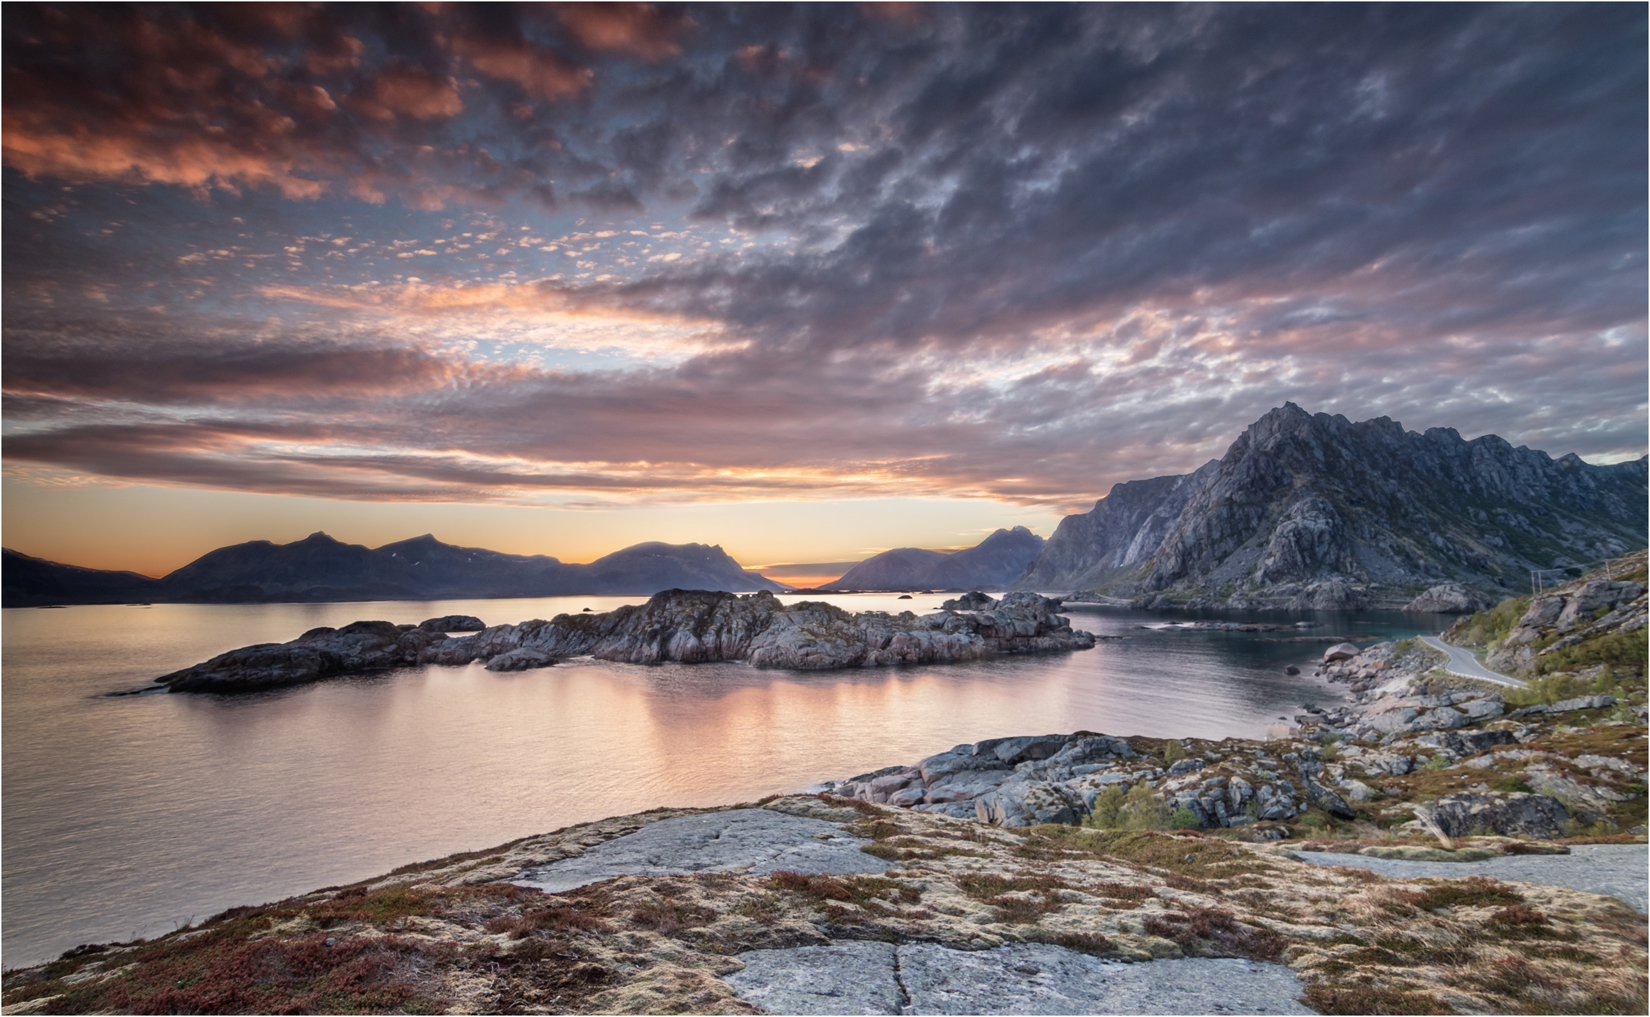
x=1314 y=511
x=992 y=563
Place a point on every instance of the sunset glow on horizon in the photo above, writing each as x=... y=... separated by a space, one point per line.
x=808 y=282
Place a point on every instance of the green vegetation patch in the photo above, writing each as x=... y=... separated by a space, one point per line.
x=1485 y=628
x=1620 y=649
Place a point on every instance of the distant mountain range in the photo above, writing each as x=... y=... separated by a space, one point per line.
x=1303 y=512
x=320 y=568
x=993 y=563
x=1313 y=511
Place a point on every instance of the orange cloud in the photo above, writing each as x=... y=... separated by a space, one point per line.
x=537 y=70
x=410 y=93
x=38 y=148
x=640 y=29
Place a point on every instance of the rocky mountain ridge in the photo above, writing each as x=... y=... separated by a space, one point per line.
x=1312 y=511
x=320 y=568
x=991 y=564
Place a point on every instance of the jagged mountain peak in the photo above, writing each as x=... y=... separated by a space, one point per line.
x=1314 y=510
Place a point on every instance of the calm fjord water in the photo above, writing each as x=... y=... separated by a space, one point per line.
x=127 y=816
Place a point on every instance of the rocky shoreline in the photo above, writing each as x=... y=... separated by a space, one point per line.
x=687 y=626
x=1373 y=760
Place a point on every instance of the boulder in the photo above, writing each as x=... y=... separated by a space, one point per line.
x=1582 y=703
x=961 y=758
x=1339 y=652
x=1481 y=709
x=1441 y=719
x=1586 y=802
x=1020 y=803
x=1011 y=751
x=1514 y=815
x=1449 y=598
x=1091 y=749
x=906 y=797
x=1308 y=770
x=971 y=601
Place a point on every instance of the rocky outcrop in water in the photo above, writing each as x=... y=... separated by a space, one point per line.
x=1316 y=512
x=361 y=647
x=693 y=626
x=994 y=562
x=685 y=626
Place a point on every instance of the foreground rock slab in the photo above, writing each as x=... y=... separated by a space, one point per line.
x=1023 y=978
x=1615 y=870
x=756 y=842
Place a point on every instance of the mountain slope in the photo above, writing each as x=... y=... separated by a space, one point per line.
x=1313 y=511
x=992 y=563
x=321 y=568
x=34 y=582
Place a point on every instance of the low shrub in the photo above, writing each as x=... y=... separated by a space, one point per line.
x=1218 y=927
x=1627 y=649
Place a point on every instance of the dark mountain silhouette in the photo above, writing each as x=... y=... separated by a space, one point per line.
x=320 y=568
x=29 y=581
x=1314 y=511
x=992 y=563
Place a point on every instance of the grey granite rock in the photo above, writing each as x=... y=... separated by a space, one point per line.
x=1512 y=815
x=1023 y=978
x=754 y=841
x=843 y=978
x=1615 y=870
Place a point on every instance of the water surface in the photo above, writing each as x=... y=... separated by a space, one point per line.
x=127 y=816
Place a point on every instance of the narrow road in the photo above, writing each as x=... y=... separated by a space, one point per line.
x=1465 y=663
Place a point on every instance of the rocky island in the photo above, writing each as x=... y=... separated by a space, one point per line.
x=688 y=626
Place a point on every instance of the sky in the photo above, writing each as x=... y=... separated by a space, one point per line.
x=807 y=282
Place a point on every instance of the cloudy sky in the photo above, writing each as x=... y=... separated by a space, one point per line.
x=807 y=282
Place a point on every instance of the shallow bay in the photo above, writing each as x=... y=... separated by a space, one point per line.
x=128 y=815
